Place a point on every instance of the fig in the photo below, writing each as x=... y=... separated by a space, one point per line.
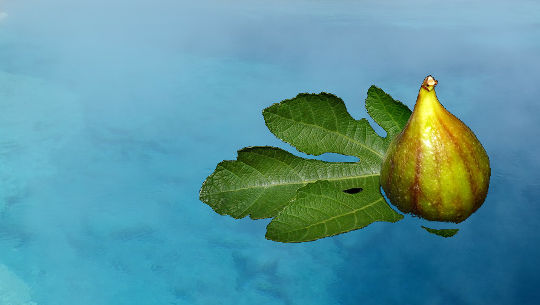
x=435 y=168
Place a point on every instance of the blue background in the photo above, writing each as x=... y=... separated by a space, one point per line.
x=113 y=112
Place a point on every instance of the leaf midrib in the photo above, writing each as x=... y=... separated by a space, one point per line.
x=300 y=182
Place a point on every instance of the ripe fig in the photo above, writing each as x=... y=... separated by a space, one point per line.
x=435 y=168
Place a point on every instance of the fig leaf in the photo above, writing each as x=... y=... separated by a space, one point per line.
x=307 y=196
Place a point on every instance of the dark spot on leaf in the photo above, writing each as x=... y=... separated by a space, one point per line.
x=354 y=190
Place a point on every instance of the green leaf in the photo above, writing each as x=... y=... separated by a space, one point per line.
x=390 y=114
x=320 y=210
x=442 y=232
x=269 y=182
x=319 y=123
x=264 y=179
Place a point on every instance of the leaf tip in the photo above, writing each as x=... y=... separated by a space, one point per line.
x=373 y=87
x=441 y=232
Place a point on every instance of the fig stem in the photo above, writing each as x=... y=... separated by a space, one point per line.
x=429 y=83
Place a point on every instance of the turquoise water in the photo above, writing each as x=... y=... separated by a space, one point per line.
x=112 y=113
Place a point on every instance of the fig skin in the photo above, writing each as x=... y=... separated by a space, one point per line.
x=435 y=168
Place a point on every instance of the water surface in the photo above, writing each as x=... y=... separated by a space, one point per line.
x=112 y=113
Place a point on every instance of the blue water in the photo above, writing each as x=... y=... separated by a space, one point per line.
x=113 y=112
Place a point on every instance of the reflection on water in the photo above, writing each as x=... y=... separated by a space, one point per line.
x=112 y=113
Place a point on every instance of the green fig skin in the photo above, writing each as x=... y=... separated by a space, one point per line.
x=435 y=168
